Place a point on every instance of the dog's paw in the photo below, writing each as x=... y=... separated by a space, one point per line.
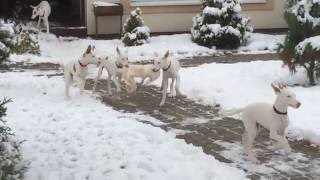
x=161 y=104
x=253 y=159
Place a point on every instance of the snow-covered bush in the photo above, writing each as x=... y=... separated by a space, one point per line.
x=26 y=44
x=307 y=53
x=12 y=166
x=220 y=24
x=303 y=19
x=6 y=40
x=135 y=33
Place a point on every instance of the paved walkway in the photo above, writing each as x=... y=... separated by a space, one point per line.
x=200 y=125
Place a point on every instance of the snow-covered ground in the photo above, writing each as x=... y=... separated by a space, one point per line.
x=236 y=85
x=84 y=139
x=61 y=50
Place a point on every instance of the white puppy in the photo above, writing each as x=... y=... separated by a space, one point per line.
x=170 y=68
x=114 y=66
x=138 y=71
x=77 y=70
x=43 y=10
x=273 y=117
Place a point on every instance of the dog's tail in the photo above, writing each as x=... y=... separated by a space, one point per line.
x=231 y=112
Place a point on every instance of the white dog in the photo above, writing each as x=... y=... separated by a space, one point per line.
x=114 y=66
x=138 y=71
x=170 y=68
x=77 y=70
x=43 y=10
x=273 y=117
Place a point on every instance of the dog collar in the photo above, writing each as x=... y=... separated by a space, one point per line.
x=155 y=70
x=278 y=112
x=82 y=65
x=166 y=69
x=118 y=65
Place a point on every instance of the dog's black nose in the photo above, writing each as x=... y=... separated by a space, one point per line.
x=298 y=104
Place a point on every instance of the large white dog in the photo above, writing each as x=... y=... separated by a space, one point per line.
x=145 y=72
x=114 y=66
x=43 y=10
x=77 y=70
x=170 y=67
x=273 y=117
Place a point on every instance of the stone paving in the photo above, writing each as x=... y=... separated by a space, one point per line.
x=200 y=125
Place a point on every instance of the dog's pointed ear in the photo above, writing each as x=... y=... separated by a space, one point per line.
x=88 y=49
x=275 y=88
x=93 y=48
x=166 y=55
x=118 y=51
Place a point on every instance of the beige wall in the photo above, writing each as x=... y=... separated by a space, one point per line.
x=261 y=18
x=268 y=19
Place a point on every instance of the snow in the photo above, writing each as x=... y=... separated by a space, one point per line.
x=262 y=42
x=302 y=9
x=61 y=50
x=314 y=42
x=237 y=85
x=84 y=139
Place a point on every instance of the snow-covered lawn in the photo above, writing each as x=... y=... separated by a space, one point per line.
x=84 y=139
x=236 y=85
x=61 y=50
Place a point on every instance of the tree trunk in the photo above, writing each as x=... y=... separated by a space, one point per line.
x=310 y=71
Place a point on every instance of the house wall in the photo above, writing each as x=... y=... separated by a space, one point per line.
x=177 y=18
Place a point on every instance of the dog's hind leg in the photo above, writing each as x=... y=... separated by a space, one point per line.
x=244 y=138
x=251 y=132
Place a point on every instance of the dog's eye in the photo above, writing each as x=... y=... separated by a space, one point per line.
x=288 y=96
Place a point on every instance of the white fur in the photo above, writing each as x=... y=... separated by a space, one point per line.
x=43 y=10
x=265 y=115
x=170 y=67
x=138 y=71
x=112 y=64
x=73 y=71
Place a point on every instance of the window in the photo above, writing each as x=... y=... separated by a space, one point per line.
x=164 y=2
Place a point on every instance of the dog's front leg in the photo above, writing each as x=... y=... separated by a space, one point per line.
x=177 y=87
x=280 y=139
x=109 y=83
x=97 y=79
x=47 y=24
x=172 y=91
x=68 y=80
x=164 y=90
x=161 y=87
x=82 y=84
x=118 y=85
x=38 y=25
x=142 y=81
